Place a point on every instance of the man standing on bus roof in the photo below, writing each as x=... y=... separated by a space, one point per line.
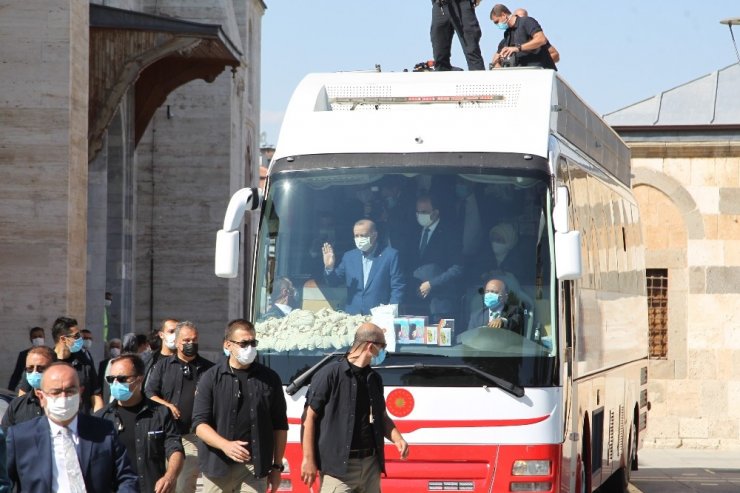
x=371 y=272
x=455 y=16
x=349 y=452
x=524 y=40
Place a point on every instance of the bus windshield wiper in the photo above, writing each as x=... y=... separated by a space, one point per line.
x=511 y=388
x=302 y=379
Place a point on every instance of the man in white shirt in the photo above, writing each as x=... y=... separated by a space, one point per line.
x=86 y=455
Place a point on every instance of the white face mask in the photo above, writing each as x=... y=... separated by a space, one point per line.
x=246 y=355
x=115 y=352
x=87 y=344
x=108 y=303
x=499 y=248
x=62 y=408
x=424 y=220
x=363 y=243
x=37 y=341
x=169 y=341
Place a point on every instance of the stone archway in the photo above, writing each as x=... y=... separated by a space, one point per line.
x=678 y=196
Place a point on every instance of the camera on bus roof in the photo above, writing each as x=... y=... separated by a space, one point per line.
x=510 y=61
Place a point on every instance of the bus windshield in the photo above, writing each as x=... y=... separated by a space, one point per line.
x=454 y=264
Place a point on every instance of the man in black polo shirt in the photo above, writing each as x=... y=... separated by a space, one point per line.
x=349 y=452
x=240 y=416
x=145 y=428
x=172 y=383
x=523 y=40
x=27 y=406
x=68 y=348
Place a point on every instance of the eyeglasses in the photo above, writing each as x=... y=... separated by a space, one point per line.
x=119 y=378
x=187 y=372
x=74 y=336
x=381 y=344
x=244 y=344
x=38 y=368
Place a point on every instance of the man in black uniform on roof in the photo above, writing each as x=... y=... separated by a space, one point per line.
x=523 y=39
x=455 y=16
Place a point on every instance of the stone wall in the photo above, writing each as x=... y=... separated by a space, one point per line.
x=43 y=154
x=690 y=202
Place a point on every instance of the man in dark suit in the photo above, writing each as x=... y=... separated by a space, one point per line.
x=436 y=263
x=496 y=312
x=371 y=272
x=65 y=451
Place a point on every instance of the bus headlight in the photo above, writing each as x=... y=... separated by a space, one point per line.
x=531 y=468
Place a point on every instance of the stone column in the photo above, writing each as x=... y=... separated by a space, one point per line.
x=43 y=154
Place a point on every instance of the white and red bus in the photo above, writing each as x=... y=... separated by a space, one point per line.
x=559 y=405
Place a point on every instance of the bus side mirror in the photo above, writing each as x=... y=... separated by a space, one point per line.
x=227 y=239
x=568 y=255
x=227 y=254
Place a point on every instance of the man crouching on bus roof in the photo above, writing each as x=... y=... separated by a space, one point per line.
x=349 y=454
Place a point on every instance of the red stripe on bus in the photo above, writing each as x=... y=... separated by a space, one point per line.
x=409 y=425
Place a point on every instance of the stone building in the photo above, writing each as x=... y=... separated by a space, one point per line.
x=125 y=126
x=686 y=176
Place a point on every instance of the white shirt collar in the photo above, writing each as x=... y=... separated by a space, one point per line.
x=56 y=428
x=286 y=309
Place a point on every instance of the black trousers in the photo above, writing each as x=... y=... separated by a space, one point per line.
x=455 y=16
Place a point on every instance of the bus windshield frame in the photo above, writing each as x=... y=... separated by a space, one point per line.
x=307 y=208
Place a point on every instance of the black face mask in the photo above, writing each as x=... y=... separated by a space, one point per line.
x=190 y=349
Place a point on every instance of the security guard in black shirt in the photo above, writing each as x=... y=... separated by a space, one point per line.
x=27 y=406
x=345 y=419
x=145 y=428
x=240 y=416
x=172 y=382
x=524 y=43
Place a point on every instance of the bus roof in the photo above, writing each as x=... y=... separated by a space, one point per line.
x=505 y=110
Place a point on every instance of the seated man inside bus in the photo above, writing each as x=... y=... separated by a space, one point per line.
x=282 y=299
x=496 y=312
x=371 y=271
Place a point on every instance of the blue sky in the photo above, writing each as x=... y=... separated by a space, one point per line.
x=612 y=53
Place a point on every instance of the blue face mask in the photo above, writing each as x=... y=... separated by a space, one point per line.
x=378 y=360
x=492 y=300
x=121 y=391
x=77 y=346
x=503 y=25
x=34 y=379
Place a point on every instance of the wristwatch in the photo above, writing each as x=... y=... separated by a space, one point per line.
x=279 y=467
x=519 y=47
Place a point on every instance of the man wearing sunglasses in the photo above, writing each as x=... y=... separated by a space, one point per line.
x=68 y=344
x=145 y=428
x=240 y=416
x=172 y=383
x=349 y=452
x=27 y=406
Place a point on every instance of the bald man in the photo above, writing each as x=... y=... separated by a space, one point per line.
x=349 y=453
x=83 y=452
x=496 y=312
